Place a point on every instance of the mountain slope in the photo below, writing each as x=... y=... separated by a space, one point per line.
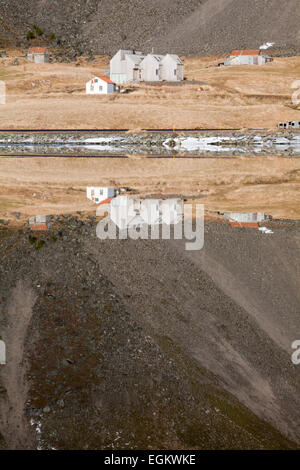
x=193 y=26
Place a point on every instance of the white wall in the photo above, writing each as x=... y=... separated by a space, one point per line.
x=151 y=69
x=41 y=58
x=246 y=60
x=2 y=92
x=98 y=194
x=2 y=353
x=169 y=65
x=99 y=87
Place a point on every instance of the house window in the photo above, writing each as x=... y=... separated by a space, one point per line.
x=100 y=88
x=96 y=80
x=156 y=71
x=175 y=72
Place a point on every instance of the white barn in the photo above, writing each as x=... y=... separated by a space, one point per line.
x=100 y=86
x=98 y=194
x=252 y=57
x=39 y=55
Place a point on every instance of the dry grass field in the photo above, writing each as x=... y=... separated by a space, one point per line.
x=58 y=185
x=53 y=96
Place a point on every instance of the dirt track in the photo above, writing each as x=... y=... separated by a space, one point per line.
x=12 y=406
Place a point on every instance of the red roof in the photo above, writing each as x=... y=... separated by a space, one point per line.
x=253 y=52
x=105 y=79
x=106 y=201
x=244 y=224
x=39 y=227
x=37 y=50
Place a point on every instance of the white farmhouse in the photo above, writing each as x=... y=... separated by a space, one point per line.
x=151 y=68
x=39 y=55
x=98 y=194
x=172 y=68
x=128 y=212
x=100 y=86
x=124 y=66
x=133 y=66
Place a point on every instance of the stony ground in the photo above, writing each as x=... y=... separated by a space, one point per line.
x=140 y=345
x=147 y=143
x=178 y=26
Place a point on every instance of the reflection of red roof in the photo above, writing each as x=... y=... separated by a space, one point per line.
x=37 y=50
x=106 y=201
x=244 y=224
x=253 y=52
x=107 y=80
x=39 y=227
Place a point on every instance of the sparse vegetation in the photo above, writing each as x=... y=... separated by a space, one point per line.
x=32 y=240
x=30 y=35
x=38 y=30
x=40 y=244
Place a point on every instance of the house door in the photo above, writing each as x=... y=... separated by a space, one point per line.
x=136 y=75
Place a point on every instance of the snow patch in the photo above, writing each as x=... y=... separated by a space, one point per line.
x=267 y=45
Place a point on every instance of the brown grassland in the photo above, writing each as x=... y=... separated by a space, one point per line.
x=53 y=96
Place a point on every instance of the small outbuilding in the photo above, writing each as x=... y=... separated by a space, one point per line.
x=2 y=353
x=99 y=195
x=39 y=55
x=251 y=57
x=100 y=86
x=39 y=222
x=246 y=219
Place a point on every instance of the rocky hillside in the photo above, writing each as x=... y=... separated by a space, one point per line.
x=124 y=344
x=182 y=26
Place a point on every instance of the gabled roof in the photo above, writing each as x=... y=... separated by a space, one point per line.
x=106 y=201
x=37 y=50
x=251 y=52
x=135 y=58
x=244 y=224
x=39 y=226
x=157 y=57
x=105 y=79
x=175 y=58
